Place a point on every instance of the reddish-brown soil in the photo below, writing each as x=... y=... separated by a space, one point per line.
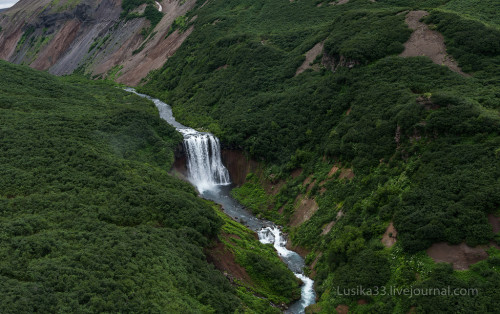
x=426 y=42
x=313 y=265
x=297 y=172
x=9 y=43
x=328 y=227
x=461 y=255
x=346 y=173
x=311 y=186
x=333 y=171
x=340 y=213
x=304 y=211
x=238 y=165
x=313 y=308
x=307 y=180
x=152 y=59
x=273 y=188
x=310 y=56
x=342 y=309
x=390 y=235
x=57 y=46
x=156 y=51
x=223 y=259
x=74 y=38
x=302 y=251
x=495 y=223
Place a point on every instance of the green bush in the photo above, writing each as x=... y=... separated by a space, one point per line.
x=475 y=46
x=90 y=221
x=365 y=36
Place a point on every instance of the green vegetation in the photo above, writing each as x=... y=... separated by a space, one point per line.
x=114 y=73
x=32 y=42
x=252 y=195
x=269 y=277
x=146 y=33
x=130 y=5
x=98 y=43
x=365 y=36
x=180 y=23
x=89 y=219
x=150 y=12
x=27 y=34
x=475 y=46
x=420 y=141
x=484 y=11
x=58 y=6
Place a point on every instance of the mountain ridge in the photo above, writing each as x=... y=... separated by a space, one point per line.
x=380 y=162
x=91 y=37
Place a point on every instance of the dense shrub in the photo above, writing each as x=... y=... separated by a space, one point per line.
x=475 y=46
x=365 y=36
x=90 y=221
x=419 y=141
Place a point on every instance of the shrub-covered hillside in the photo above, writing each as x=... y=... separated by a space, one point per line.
x=90 y=221
x=414 y=143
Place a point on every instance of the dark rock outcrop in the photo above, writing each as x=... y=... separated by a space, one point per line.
x=334 y=62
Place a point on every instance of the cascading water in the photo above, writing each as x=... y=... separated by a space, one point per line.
x=209 y=175
x=205 y=168
x=204 y=160
x=273 y=235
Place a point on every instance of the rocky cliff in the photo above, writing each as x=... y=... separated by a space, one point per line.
x=90 y=36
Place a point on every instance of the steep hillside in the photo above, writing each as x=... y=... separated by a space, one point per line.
x=370 y=128
x=90 y=221
x=381 y=152
x=96 y=37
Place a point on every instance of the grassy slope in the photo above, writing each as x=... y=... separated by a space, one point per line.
x=270 y=279
x=89 y=219
x=437 y=181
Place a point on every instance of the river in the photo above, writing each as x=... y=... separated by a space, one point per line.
x=211 y=178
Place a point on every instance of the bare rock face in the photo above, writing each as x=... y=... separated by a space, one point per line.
x=390 y=236
x=461 y=256
x=90 y=36
x=310 y=56
x=238 y=165
x=334 y=62
x=426 y=42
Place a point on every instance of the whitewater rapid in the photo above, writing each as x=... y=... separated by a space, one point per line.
x=160 y=8
x=211 y=178
x=273 y=235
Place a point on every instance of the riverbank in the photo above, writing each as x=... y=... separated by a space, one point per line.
x=207 y=173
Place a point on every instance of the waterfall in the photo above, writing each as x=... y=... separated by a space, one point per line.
x=209 y=175
x=205 y=168
x=204 y=163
